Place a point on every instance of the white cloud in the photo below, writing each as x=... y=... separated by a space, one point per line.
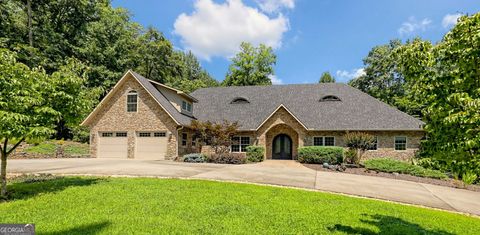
x=271 y=6
x=275 y=80
x=218 y=29
x=412 y=25
x=450 y=20
x=345 y=75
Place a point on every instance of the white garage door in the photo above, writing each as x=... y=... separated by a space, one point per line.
x=112 y=145
x=151 y=145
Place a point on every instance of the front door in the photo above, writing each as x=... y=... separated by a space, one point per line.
x=282 y=147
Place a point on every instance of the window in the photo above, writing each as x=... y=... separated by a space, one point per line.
x=159 y=134
x=121 y=134
x=240 y=143
x=330 y=98
x=375 y=144
x=324 y=141
x=132 y=101
x=329 y=141
x=144 y=134
x=239 y=100
x=186 y=106
x=184 y=139
x=318 y=141
x=400 y=143
x=107 y=134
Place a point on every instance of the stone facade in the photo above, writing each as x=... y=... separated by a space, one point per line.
x=112 y=116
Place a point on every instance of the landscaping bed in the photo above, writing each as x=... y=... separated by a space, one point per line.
x=95 y=205
x=52 y=149
x=448 y=182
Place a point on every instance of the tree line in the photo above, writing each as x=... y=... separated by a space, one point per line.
x=439 y=83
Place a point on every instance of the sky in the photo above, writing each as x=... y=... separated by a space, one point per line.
x=309 y=37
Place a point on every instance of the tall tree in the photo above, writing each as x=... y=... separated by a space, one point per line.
x=251 y=66
x=192 y=75
x=24 y=113
x=154 y=56
x=326 y=78
x=382 y=79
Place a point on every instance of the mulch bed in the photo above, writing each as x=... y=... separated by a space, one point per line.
x=362 y=171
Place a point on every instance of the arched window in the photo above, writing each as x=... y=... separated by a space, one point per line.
x=239 y=100
x=132 y=101
x=330 y=98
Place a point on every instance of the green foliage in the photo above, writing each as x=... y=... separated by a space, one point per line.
x=76 y=148
x=42 y=148
x=251 y=66
x=469 y=177
x=194 y=157
x=320 y=154
x=255 y=153
x=326 y=78
x=232 y=207
x=217 y=135
x=390 y=166
x=360 y=142
x=227 y=158
x=382 y=79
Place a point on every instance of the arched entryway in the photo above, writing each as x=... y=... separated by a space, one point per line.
x=282 y=147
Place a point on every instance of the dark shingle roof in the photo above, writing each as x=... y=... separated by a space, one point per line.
x=160 y=98
x=355 y=111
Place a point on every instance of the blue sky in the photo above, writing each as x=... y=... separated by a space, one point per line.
x=309 y=36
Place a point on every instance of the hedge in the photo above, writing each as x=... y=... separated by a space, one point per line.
x=255 y=153
x=320 y=154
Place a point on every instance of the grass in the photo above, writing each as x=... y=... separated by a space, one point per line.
x=390 y=166
x=87 y=205
x=42 y=148
x=49 y=147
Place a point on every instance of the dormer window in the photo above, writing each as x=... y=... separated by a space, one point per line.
x=186 y=106
x=330 y=98
x=132 y=101
x=239 y=100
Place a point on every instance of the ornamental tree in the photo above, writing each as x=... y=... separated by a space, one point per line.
x=217 y=135
x=359 y=142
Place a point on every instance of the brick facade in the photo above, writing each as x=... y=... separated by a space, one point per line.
x=112 y=116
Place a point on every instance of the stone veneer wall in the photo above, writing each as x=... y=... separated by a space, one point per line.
x=113 y=116
x=281 y=122
x=386 y=143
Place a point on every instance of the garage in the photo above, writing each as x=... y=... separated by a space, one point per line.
x=112 y=145
x=151 y=145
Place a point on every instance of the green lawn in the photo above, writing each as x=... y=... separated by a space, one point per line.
x=80 y=205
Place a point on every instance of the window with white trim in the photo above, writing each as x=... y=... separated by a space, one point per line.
x=159 y=134
x=324 y=141
x=400 y=143
x=121 y=134
x=240 y=144
x=187 y=106
x=374 y=145
x=144 y=134
x=107 y=134
x=132 y=101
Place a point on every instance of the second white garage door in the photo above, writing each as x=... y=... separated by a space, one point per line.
x=151 y=145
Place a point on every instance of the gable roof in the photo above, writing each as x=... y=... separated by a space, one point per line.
x=178 y=118
x=355 y=111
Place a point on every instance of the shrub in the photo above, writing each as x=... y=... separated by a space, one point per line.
x=320 y=154
x=227 y=158
x=359 y=142
x=469 y=177
x=194 y=157
x=350 y=156
x=391 y=166
x=255 y=153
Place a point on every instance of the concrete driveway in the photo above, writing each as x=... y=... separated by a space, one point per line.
x=286 y=173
